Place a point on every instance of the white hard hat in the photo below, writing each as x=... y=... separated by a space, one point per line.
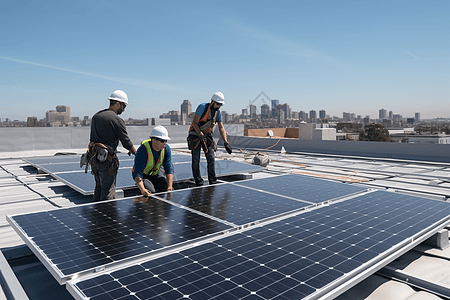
x=120 y=96
x=160 y=132
x=218 y=97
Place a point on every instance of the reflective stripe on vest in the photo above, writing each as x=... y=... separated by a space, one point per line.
x=203 y=121
x=150 y=168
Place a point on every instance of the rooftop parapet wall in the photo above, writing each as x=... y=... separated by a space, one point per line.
x=403 y=151
x=29 y=139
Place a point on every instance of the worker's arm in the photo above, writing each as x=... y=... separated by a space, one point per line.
x=140 y=184
x=168 y=167
x=169 y=182
x=196 y=127
x=138 y=169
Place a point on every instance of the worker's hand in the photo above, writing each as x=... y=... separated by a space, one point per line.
x=146 y=193
x=202 y=135
x=169 y=189
x=169 y=194
x=228 y=147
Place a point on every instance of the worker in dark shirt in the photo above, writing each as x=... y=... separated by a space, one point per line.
x=153 y=169
x=107 y=129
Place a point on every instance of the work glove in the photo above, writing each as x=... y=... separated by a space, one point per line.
x=228 y=147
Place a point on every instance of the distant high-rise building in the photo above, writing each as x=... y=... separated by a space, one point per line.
x=287 y=111
x=59 y=116
x=391 y=114
x=225 y=117
x=397 y=118
x=382 y=114
x=322 y=114
x=185 y=110
x=295 y=115
x=281 y=117
x=265 y=111
x=252 y=109
x=346 y=116
x=274 y=102
x=417 y=117
x=244 y=112
x=312 y=115
x=302 y=115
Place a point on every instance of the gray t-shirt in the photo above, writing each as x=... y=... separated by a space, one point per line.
x=108 y=128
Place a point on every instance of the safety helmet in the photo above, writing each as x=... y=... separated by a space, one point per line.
x=218 y=97
x=160 y=132
x=120 y=96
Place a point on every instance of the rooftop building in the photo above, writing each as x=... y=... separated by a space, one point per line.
x=394 y=261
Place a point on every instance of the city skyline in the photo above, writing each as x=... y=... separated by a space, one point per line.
x=265 y=111
x=337 y=56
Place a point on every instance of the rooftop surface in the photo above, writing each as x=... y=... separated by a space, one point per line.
x=422 y=272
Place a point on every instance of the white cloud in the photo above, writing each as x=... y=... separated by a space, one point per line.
x=140 y=83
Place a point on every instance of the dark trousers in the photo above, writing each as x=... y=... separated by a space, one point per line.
x=210 y=159
x=156 y=183
x=105 y=184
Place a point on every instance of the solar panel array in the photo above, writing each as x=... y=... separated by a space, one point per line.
x=66 y=168
x=271 y=238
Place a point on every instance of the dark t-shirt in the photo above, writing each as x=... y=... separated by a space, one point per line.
x=108 y=128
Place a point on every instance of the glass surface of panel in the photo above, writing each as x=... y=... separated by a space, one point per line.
x=235 y=204
x=84 y=237
x=303 y=187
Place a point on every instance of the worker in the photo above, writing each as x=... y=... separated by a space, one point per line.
x=153 y=170
x=200 y=137
x=107 y=129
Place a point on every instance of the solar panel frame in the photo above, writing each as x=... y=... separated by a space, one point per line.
x=172 y=286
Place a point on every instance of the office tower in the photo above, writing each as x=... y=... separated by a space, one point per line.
x=285 y=108
x=382 y=114
x=312 y=115
x=322 y=114
x=417 y=117
x=185 y=110
x=252 y=109
x=302 y=115
x=265 y=111
x=274 y=102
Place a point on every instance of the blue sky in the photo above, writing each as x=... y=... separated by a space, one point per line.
x=352 y=56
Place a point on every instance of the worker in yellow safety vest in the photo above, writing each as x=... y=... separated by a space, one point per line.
x=153 y=170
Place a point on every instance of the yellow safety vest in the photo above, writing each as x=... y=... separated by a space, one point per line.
x=150 y=168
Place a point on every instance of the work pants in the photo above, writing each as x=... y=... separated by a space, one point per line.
x=105 y=184
x=210 y=159
x=156 y=183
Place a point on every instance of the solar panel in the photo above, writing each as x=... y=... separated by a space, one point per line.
x=82 y=238
x=85 y=183
x=235 y=204
x=311 y=255
x=303 y=187
x=66 y=168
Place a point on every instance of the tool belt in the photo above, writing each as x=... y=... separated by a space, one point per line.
x=99 y=153
x=194 y=141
